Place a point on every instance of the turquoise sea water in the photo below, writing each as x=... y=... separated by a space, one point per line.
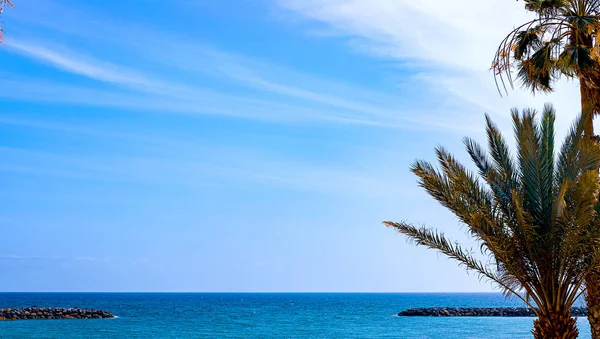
x=264 y=315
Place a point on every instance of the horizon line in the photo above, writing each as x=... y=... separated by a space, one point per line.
x=243 y=292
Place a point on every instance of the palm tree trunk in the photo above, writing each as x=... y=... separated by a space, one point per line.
x=555 y=326
x=587 y=107
x=592 y=299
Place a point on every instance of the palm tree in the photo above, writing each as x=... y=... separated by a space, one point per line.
x=561 y=41
x=532 y=215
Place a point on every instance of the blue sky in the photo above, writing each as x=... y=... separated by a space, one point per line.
x=248 y=145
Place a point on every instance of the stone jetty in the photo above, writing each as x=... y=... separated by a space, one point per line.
x=52 y=313
x=479 y=312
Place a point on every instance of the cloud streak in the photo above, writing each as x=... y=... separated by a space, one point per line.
x=422 y=31
x=19 y=257
x=243 y=166
x=251 y=89
x=452 y=55
x=195 y=80
x=71 y=62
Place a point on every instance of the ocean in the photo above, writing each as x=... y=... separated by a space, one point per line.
x=265 y=315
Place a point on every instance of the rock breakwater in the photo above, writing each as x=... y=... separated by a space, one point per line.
x=479 y=312
x=52 y=313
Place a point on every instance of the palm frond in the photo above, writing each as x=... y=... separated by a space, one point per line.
x=435 y=240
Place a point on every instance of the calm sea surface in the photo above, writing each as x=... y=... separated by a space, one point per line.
x=264 y=315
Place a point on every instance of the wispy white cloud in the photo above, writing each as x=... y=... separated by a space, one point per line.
x=243 y=88
x=241 y=165
x=450 y=57
x=136 y=261
x=450 y=43
x=189 y=162
x=359 y=104
x=77 y=63
x=158 y=95
x=71 y=258
x=254 y=89
x=448 y=34
x=86 y=258
x=20 y=257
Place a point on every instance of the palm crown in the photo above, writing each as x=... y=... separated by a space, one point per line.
x=532 y=215
x=561 y=40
